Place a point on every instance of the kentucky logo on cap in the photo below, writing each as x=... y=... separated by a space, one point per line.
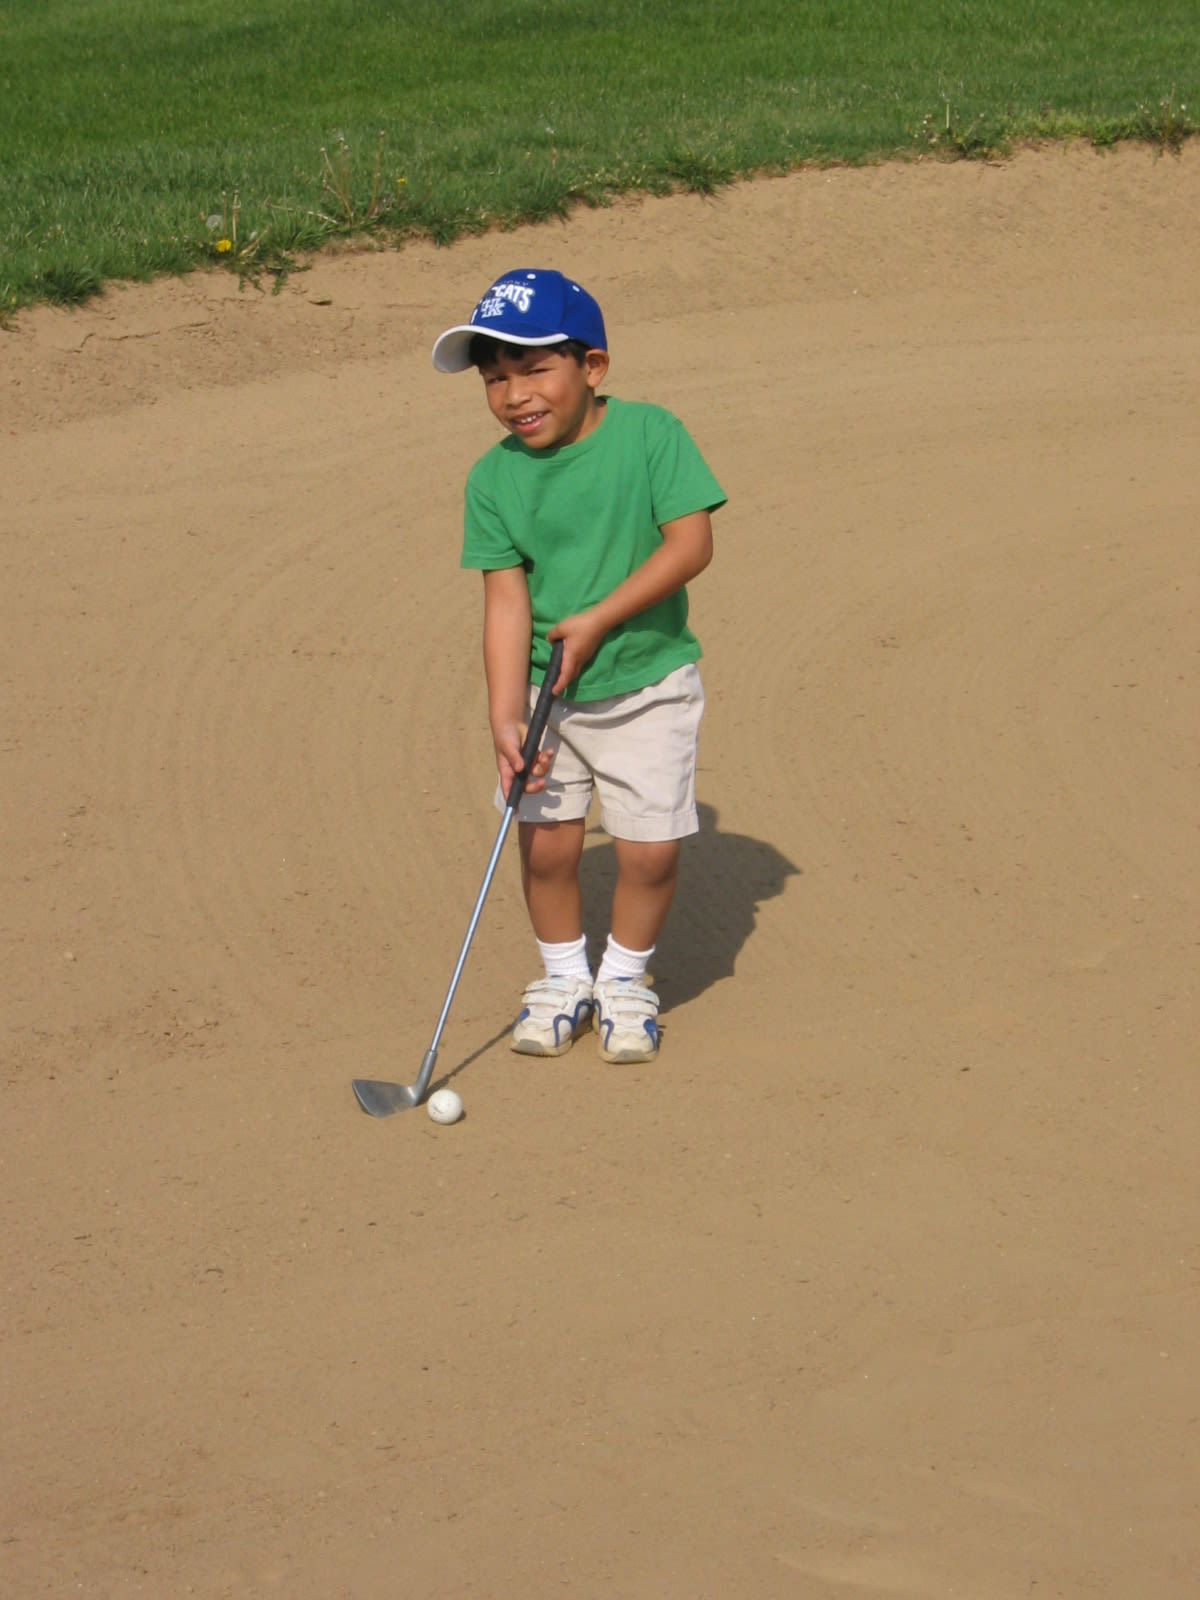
x=526 y=307
x=518 y=295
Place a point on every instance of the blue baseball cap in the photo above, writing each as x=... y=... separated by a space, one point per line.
x=525 y=307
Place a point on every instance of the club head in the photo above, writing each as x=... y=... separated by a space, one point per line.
x=381 y=1099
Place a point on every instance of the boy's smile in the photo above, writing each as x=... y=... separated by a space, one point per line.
x=545 y=397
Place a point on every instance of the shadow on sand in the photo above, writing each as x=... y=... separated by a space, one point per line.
x=723 y=879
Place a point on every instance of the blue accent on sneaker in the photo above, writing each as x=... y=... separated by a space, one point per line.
x=576 y=1021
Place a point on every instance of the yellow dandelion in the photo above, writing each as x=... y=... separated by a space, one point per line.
x=223 y=245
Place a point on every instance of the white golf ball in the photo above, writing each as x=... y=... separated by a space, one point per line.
x=445 y=1106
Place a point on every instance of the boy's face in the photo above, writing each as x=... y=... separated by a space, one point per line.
x=544 y=397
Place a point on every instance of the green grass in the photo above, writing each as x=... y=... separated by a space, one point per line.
x=139 y=137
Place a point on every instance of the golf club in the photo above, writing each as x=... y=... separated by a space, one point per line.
x=381 y=1099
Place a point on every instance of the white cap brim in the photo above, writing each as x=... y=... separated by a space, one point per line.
x=450 y=353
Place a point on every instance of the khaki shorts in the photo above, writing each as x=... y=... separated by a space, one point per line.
x=637 y=752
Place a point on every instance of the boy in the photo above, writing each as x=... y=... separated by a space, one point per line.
x=586 y=521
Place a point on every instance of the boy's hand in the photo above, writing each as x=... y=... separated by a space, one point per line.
x=581 y=635
x=508 y=738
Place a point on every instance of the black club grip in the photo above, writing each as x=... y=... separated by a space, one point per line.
x=537 y=726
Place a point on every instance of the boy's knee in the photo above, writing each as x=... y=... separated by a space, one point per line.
x=648 y=861
x=551 y=848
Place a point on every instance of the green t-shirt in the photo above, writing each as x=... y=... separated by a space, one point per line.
x=580 y=519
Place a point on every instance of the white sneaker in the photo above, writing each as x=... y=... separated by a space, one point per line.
x=554 y=1011
x=626 y=1018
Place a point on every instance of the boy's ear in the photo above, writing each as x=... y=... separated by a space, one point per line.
x=595 y=367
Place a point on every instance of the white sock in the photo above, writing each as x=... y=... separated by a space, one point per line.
x=566 y=960
x=621 y=963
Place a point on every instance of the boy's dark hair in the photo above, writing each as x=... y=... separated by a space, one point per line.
x=484 y=351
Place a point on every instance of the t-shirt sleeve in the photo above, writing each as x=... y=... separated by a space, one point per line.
x=487 y=543
x=680 y=479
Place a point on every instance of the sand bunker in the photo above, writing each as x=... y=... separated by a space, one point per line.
x=884 y=1281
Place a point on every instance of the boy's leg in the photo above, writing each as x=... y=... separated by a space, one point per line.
x=643 y=757
x=626 y=1008
x=550 y=854
x=646 y=876
x=557 y=1007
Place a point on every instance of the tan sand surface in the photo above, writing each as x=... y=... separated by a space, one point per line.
x=885 y=1280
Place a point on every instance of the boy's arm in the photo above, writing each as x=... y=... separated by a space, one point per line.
x=507 y=633
x=686 y=550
